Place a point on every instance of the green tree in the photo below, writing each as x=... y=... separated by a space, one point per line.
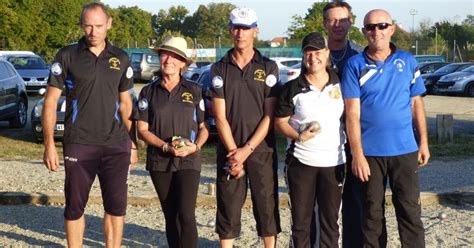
x=313 y=22
x=131 y=27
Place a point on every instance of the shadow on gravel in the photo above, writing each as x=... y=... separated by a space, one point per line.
x=43 y=225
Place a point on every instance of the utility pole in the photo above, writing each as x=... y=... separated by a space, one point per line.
x=413 y=12
x=436 y=40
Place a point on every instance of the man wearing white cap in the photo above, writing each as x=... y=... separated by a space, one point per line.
x=244 y=97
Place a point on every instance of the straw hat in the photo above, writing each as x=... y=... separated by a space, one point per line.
x=176 y=45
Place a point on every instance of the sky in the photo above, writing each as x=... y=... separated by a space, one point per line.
x=275 y=16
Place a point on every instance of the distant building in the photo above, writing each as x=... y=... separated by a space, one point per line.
x=278 y=42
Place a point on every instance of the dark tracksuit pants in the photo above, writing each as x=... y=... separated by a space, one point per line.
x=307 y=185
x=403 y=174
x=352 y=207
x=177 y=192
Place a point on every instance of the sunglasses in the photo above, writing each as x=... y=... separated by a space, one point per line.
x=380 y=26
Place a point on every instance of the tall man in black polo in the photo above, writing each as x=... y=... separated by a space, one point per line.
x=97 y=79
x=243 y=101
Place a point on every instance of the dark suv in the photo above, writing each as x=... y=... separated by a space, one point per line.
x=13 y=99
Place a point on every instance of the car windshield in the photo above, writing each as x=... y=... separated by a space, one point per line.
x=447 y=68
x=469 y=69
x=152 y=59
x=27 y=62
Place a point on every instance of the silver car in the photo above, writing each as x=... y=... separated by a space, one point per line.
x=32 y=69
x=461 y=82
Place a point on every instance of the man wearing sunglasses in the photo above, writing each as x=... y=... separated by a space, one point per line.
x=382 y=89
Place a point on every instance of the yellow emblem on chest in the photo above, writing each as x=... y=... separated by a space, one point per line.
x=187 y=97
x=259 y=75
x=114 y=63
x=335 y=93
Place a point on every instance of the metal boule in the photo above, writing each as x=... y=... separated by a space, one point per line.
x=211 y=223
x=442 y=216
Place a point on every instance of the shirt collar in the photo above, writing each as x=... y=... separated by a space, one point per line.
x=371 y=61
x=108 y=47
x=333 y=79
x=257 y=56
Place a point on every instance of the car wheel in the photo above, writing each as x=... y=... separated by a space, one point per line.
x=470 y=89
x=19 y=121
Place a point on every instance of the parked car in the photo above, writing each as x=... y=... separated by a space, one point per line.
x=290 y=73
x=284 y=62
x=205 y=82
x=32 y=68
x=36 y=112
x=430 y=67
x=461 y=82
x=144 y=66
x=432 y=78
x=194 y=72
x=13 y=97
x=429 y=58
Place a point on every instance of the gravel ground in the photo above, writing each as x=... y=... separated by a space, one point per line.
x=27 y=225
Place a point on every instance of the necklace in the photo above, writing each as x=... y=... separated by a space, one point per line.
x=340 y=58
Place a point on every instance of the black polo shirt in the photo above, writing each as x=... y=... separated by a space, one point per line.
x=168 y=114
x=92 y=87
x=245 y=92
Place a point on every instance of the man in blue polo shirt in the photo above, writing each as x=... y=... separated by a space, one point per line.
x=382 y=89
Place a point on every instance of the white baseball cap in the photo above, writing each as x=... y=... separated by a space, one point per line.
x=245 y=17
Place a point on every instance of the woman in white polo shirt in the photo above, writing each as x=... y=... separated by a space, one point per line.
x=309 y=113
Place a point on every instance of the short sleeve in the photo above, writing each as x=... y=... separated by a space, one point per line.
x=350 y=86
x=144 y=108
x=217 y=82
x=126 y=81
x=271 y=81
x=417 y=86
x=285 y=106
x=200 y=107
x=58 y=72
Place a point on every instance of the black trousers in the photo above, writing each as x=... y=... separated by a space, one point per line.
x=352 y=207
x=307 y=185
x=402 y=172
x=178 y=192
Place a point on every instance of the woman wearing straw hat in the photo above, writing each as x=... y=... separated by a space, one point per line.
x=171 y=122
x=309 y=113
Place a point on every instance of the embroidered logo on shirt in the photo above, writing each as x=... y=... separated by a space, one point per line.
x=129 y=72
x=56 y=69
x=399 y=64
x=335 y=93
x=259 y=75
x=217 y=82
x=271 y=80
x=187 y=97
x=143 y=104
x=114 y=63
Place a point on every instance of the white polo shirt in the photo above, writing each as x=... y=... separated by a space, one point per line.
x=304 y=103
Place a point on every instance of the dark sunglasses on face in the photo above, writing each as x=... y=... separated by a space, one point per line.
x=380 y=26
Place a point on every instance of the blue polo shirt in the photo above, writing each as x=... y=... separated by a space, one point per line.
x=385 y=89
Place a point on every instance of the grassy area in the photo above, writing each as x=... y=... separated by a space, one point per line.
x=17 y=146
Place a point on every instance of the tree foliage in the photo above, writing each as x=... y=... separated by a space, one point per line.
x=44 y=26
x=313 y=22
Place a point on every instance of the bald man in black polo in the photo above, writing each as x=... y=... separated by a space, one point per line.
x=97 y=78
